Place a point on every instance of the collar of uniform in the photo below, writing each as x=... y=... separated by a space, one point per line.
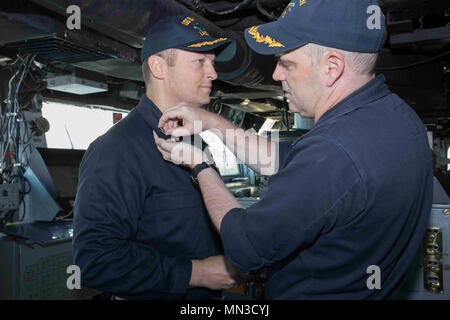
x=373 y=90
x=151 y=114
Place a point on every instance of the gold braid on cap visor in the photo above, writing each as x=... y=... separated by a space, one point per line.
x=253 y=31
x=206 y=43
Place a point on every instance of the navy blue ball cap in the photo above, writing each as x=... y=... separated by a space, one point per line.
x=179 y=32
x=350 y=25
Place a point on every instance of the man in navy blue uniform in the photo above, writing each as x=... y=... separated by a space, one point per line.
x=141 y=230
x=347 y=203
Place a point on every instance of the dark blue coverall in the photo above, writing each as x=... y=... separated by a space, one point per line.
x=139 y=221
x=354 y=192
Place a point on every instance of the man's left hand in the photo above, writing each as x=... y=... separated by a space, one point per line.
x=179 y=153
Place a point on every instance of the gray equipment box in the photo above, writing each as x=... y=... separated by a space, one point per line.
x=32 y=271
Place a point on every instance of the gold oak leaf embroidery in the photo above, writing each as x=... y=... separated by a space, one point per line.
x=265 y=39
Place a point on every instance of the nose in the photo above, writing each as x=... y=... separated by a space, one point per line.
x=211 y=73
x=278 y=74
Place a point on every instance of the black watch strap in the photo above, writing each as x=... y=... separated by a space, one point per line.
x=197 y=169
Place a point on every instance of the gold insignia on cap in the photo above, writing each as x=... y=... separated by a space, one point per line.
x=265 y=39
x=302 y=2
x=289 y=8
x=187 y=21
x=201 y=30
x=206 y=43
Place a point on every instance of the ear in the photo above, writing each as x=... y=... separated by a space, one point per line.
x=157 y=66
x=332 y=66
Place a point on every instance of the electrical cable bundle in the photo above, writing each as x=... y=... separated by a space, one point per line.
x=15 y=136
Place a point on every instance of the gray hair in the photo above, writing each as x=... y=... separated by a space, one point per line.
x=360 y=63
x=169 y=55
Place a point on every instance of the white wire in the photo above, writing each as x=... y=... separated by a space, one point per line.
x=12 y=113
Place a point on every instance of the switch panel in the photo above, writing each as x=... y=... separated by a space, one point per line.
x=9 y=196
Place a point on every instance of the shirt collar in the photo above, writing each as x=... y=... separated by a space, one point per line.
x=371 y=91
x=151 y=114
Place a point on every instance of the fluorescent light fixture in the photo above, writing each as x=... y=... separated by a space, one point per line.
x=76 y=85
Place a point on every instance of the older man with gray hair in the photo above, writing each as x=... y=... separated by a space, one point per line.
x=348 y=202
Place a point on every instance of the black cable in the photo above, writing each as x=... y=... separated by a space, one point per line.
x=25 y=180
x=29 y=189
x=236 y=8
x=36 y=84
x=24 y=208
x=12 y=64
x=264 y=11
x=11 y=136
x=413 y=64
x=13 y=91
x=29 y=60
x=7 y=217
x=70 y=213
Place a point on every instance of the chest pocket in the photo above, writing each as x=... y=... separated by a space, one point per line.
x=176 y=224
x=167 y=205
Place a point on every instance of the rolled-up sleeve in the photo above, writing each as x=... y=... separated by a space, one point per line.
x=317 y=185
x=109 y=203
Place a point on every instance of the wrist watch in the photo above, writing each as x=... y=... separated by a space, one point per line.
x=197 y=169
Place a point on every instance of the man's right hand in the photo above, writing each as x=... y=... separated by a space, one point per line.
x=214 y=273
x=183 y=120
